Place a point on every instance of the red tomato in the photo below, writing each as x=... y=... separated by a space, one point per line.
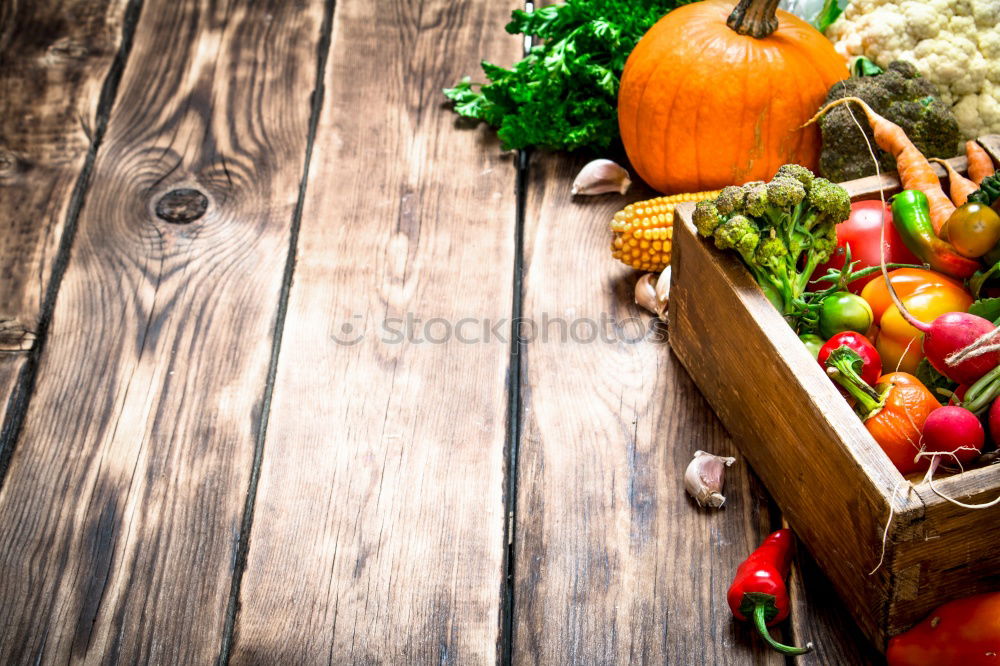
x=871 y=368
x=862 y=231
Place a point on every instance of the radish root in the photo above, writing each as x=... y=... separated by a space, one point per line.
x=892 y=512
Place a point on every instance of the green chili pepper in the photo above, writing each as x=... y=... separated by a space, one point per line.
x=912 y=218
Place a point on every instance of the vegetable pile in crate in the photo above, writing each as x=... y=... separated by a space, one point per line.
x=852 y=462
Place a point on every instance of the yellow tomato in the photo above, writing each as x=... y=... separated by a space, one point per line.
x=926 y=295
x=906 y=282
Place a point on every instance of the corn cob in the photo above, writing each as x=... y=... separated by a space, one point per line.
x=644 y=230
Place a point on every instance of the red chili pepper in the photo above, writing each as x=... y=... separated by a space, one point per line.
x=871 y=363
x=965 y=632
x=758 y=594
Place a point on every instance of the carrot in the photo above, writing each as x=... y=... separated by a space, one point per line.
x=915 y=172
x=959 y=186
x=980 y=164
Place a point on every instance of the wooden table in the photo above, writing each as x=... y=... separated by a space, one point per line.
x=262 y=401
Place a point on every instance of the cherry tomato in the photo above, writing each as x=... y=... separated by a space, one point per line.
x=973 y=229
x=812 y=342
x=871 y=368
x=862 y=231
x=844 y=311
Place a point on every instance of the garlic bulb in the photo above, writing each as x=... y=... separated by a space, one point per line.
x=601 y=176
x=704 y=478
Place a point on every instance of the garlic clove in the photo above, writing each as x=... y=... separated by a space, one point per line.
x=601 y=176
x=663 y=292
x=704 y=478
x=645 y=293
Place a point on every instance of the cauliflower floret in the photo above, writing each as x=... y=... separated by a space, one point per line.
x=954 y=43
x=980 y=113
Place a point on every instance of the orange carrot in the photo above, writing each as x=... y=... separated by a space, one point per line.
x=915 y=172
x=980 y=164
x=959 y=186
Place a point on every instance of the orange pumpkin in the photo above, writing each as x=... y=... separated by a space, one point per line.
x=704 y=104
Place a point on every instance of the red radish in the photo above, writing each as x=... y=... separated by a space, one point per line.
x=955 y=432
x=952 y=332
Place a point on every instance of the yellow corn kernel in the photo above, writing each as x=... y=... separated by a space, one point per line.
x=643 y=231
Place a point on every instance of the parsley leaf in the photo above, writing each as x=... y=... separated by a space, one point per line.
x=563 y=94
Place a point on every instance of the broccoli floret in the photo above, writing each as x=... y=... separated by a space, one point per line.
x=771 y=252
x=755 y=198
x=830 y=199
x=825 y=246
x=706 y=217
x=785 y=192
x=730 y=200
x=899 y=94
x=737 y=233
x=796 y=171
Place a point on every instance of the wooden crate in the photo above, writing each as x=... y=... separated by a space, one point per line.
x=831 y=480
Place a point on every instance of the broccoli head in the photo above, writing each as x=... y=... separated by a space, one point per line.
x=783 y=230
x=899 y=94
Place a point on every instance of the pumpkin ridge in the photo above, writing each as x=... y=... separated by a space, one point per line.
x=635 y=60
x=674 y=93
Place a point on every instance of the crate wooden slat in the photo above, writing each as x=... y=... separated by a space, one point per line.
x=827 y=474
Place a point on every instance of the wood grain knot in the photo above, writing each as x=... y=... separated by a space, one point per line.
x=181 y=206
x=10 y=165
x=15 y=336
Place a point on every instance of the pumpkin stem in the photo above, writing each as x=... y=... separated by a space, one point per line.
x=754 y=17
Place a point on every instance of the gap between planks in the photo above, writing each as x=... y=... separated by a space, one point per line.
x=20 y=396
x=316 y=99
x=517 y=349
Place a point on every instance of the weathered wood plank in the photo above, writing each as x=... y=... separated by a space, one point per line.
x=121 y=511
x=378 y=528
x=614 y=563
x=54 y=58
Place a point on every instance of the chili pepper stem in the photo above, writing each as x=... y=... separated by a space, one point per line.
x=760 y=621
x=840 y=368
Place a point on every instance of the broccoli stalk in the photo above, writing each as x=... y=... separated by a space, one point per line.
x=783 y=230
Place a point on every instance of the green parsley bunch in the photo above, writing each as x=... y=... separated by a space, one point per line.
x=563 y=94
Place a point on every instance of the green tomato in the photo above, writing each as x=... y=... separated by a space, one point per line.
x=844 y=311
x=812 y=342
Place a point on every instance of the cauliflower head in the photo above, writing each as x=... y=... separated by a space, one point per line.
x=955 y=44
